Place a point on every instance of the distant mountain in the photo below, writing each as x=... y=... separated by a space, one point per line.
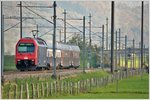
x=127 y=17
x=130 y=22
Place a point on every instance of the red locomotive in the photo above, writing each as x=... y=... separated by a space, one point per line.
x=34 y=53
x=31 y=53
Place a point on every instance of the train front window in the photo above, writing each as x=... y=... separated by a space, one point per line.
x=26 y=48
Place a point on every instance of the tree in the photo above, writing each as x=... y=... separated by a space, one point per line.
x=95 y=51
x=77 y=40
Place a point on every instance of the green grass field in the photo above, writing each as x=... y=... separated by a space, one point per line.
x=132 y=88
x=44 y=80
x=9 y=63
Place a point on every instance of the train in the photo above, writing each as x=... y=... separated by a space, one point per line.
x=35 y=53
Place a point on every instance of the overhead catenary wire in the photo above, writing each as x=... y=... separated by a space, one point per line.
x=76 y=27
x=13 y=26
x=39 y=15
x=45 y=33
x=52 y=22
x=73 y=26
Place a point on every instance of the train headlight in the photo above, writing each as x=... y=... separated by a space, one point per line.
x=18 y=61
x=32 y=62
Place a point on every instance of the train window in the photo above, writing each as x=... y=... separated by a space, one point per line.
x=75 y=55
x=51 y=53
x=66 y=54
x=26 y=47
x=58 y=53
x=48 y=55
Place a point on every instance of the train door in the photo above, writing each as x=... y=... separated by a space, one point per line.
x=58 y=58
x=42 y=59
x=71 y=58
x=48 y=56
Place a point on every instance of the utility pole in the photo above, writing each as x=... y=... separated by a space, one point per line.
x=133 y=54
x=100 y=51
x=83 y=44
x=64 y=25
x=112 y=35
x=37 y=30
x=59 y=35
x=144 y=54
x=116 y=67
x=102 y=46
x=119 y=47
x=20 y=19
x=142 y=10
x=126 y=55
x=90 y=39
x=116 y=51
x=107 y=33
x=54 y=42
x=2 y=40
x=139 y=54
x=122 y=55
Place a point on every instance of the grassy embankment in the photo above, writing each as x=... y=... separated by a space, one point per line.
x=9 y=86
x=132 y=88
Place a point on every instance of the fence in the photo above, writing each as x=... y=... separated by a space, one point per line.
x=60 y=87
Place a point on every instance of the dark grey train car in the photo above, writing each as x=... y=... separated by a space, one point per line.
x=76 y=56
x=41 y=53
x=67 y=56
x=50 y=57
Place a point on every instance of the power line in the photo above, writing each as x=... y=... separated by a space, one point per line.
x=38 y=14
x=64 y=25
x=16 y=17
x=73 y=26
x=45 y=33
x=13 y=26
x=80 y=26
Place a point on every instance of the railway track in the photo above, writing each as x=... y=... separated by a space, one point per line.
x=40 y=71
x=12 y=75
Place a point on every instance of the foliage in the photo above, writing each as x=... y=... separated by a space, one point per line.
x=9 y=62
x=77 y=40
x=106 y=60
x=147 y=60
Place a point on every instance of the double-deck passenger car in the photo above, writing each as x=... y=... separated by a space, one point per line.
x=67 y=56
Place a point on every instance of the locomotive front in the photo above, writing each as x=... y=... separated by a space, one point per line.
x=26 y=54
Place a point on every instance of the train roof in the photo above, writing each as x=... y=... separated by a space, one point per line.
x=38 y=40
x=61 y=46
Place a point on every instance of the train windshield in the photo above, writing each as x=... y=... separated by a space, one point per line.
x=26 y=48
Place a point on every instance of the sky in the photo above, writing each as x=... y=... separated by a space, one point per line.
x=127 y=17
